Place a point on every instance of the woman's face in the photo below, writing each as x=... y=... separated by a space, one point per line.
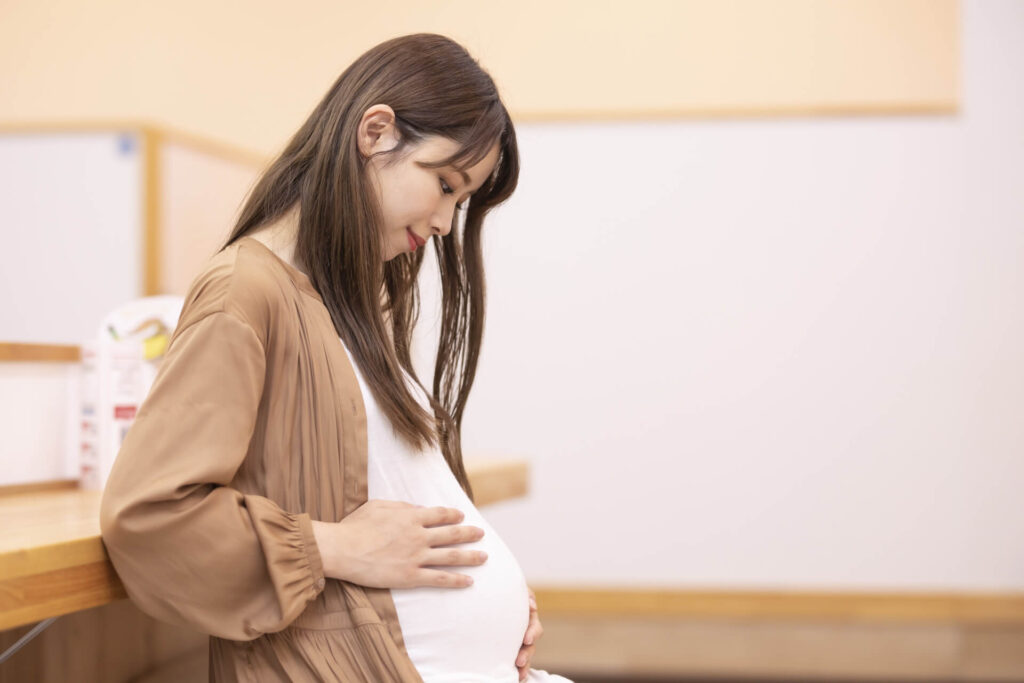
x=417 y=202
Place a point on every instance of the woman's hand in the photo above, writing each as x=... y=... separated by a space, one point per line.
x=386 y=543
x=533 y=631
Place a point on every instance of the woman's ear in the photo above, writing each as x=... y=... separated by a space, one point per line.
x=377 y=131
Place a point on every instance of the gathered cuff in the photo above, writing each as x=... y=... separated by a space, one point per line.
x=292 y=557
x=311 y=550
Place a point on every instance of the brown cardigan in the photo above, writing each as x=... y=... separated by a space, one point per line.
x=253 y=427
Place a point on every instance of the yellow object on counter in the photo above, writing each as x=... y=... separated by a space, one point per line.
x=154 y=346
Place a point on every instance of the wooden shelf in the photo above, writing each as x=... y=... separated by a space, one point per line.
x=14 y=352
x=52 y=559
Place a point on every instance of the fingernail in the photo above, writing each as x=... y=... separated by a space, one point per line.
x=529 y=640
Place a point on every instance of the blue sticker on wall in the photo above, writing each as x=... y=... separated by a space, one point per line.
x=125 y=144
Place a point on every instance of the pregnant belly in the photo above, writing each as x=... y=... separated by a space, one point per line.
x=472 y=634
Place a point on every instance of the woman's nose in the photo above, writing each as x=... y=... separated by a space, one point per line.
x=443 y=227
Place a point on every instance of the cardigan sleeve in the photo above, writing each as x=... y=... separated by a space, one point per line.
x=188 y=548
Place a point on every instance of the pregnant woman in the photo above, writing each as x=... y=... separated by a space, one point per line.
x=289 y=486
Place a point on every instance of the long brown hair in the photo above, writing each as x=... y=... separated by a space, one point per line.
x=434 y=87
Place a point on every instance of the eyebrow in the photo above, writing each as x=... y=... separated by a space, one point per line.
x=466 y=179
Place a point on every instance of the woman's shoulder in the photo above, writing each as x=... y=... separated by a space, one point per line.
x=243 y=279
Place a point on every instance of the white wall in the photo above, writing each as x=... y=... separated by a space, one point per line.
x=40 y=412
x=72 y=241
x=768 y=353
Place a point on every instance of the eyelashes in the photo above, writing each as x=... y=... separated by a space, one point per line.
x=448 y=190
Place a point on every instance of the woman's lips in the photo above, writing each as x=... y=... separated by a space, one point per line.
x=414 y=239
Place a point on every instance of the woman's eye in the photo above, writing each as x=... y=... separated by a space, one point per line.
x=448 y=190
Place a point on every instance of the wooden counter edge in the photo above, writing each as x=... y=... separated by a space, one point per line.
x=34 y=597
x=59 y=578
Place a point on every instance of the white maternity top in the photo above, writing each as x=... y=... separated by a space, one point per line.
x=452 y=635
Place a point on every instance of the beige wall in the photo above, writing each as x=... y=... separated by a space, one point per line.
x=249 y=73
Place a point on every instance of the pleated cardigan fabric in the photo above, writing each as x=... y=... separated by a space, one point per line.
x=253 y=427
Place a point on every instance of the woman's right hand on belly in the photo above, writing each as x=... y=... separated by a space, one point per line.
x=388 y=543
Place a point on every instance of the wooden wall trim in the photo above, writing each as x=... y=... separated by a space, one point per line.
x=149 y=185
x=215 y=148
x=152 y=140
x=168 y=133
x=958 y=607
x=17 y=352
x=951 y=107
x=783 y=650
x=83 y=126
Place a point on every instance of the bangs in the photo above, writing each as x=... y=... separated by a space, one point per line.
x=474 y=146
x=494 y=127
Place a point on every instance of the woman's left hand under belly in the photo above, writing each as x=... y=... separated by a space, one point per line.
x=533 y=631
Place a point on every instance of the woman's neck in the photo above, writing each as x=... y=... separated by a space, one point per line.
x=280 y=237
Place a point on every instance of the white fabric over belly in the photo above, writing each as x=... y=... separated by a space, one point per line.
x=452 y=635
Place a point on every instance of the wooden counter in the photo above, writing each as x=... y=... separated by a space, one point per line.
x=52 y=560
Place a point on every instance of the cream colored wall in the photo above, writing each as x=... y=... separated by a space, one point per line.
x=201 y=196
x=249 y=73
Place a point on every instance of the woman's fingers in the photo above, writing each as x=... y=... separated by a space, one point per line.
x=449 y=557
x=387 y=544
x=433 y=516
x=453 y=556
x=442 y=579
x=533 y=631
x=523 y=660
x=453 y=534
